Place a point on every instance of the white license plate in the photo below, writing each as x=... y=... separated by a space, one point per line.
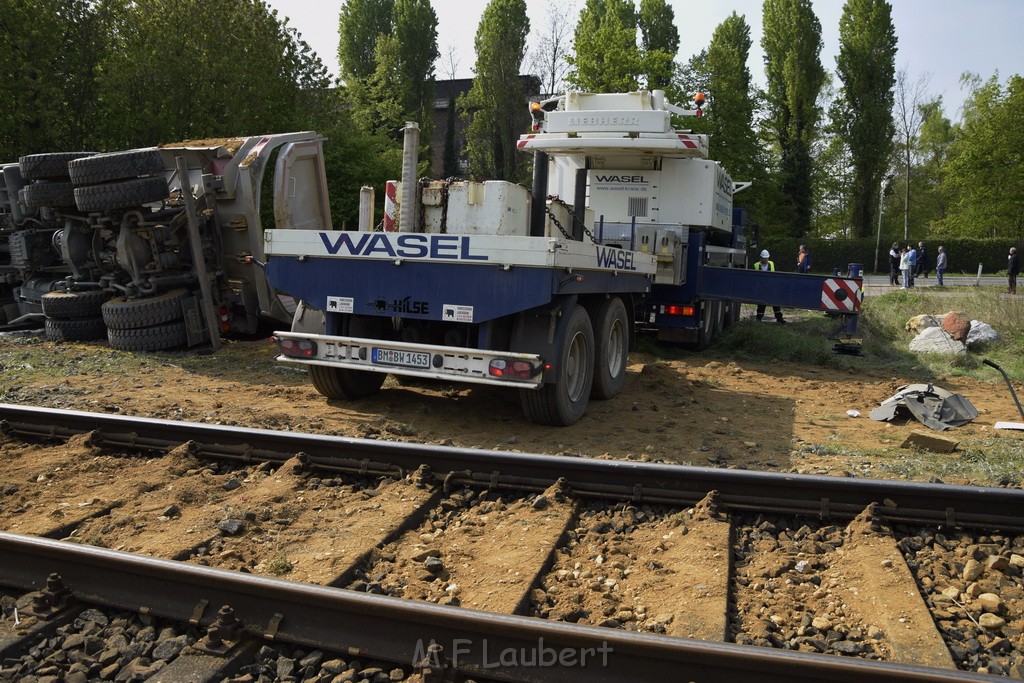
x=409 y=359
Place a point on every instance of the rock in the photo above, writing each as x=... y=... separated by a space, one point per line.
x=397 y=675
x=169 y=649
x=312 y=659
x=990 y=602
x=991 y=621
x=285 y=667
x=231 y=484
x=424 y=554
x=981 y=333
x=920 y=323
x=821 y=623
x=231 y=527
x=997 y=563
x=1017 y=561
x=847 y=647
x=973 y=570
x=540 y=502
x=958 y=325
x=937 y=340
x=433 y=565
x=951 y=592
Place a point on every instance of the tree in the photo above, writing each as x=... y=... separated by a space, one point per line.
x=909 y=118
x=792 y=44
x=236 y=70
x=47 y=62
x=606 y=57
x=416 y=35
x=495 y=105
x=866 y=67
x=937 y=135
x=983 y=175
x=360 y=24
x=548 y=58
x=659 y=38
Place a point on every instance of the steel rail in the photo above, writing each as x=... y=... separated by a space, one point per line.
x=827 y=498
x=477 y=644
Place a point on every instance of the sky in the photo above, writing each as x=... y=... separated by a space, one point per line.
x=937 y=39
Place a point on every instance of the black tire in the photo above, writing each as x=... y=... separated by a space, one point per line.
x=49 y=193
x=84 y=329
x=105 y=168
x=74 y=305
x=123 y=314
x=732 y=314
x=156 y=338
x=563 y=402
x=710 y=324
x=611 y=349
x=717 y=319
x=343 y=383
x=126 y=194
x=49 y=166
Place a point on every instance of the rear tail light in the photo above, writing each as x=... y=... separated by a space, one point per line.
x=672 y=309
x=225 y=320
x=513 y=369
x=296 y=348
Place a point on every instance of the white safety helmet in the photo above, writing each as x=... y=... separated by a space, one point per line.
x=765 y=254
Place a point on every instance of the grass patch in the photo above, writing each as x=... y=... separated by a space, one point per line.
x=995 y=461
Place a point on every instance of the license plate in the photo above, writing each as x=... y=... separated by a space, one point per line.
x=409 y=359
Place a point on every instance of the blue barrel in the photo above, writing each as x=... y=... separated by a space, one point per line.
x=856 y=270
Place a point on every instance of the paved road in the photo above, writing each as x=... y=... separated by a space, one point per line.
x=879 y=284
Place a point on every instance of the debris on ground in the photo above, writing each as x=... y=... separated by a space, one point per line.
x=934 y=407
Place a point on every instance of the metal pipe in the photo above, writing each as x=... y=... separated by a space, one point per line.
x=366 y=199
x=1008 y=383
x=538 y=211
x=407 y=219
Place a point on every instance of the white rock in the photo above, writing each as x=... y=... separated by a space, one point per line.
x=937 y=340
x=982 y=333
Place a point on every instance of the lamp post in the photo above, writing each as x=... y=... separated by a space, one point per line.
x=881 y=203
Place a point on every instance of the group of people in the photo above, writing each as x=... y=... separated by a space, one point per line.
x=910 y=263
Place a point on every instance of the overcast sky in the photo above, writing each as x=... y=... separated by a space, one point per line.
x=940 y=38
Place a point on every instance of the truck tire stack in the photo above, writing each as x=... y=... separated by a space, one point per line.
x=74 y=316
x=119 y=180
x=51 y=186
x=151 y=324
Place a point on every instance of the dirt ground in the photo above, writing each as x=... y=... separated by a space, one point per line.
x=695 y=410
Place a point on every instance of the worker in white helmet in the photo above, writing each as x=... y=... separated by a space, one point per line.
x=768 y=266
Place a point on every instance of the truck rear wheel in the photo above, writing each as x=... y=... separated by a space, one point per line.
x=710 y=323
x=564 y=401
x=73 y=305
x=105 y=168
x=126 y=194
x=611 y=348
x=344 y=383
x=81 y=329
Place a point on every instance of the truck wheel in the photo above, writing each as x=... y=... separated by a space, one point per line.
x=611 y=349
x=563 y=402
x=127 y=194
x=710 y=324
x=343 y=383
x=73 y=305
x=155 y=338
x=49 y=193
x=717 y=319
x=84 y=329
x=105 y=168
x=732 y=314
x=122 y=314
x=53 y=166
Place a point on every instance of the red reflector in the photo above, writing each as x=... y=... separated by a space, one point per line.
x=511 y=369
x=298 y=348
x=225 y=320
x=673 y=309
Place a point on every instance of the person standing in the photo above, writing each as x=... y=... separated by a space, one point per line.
x=922 y=260
x=767 y=266
x=908 y=275
x=803 y=260
x=941 y=261
x=894 y=265
x=1012 y=270
x=905 y=267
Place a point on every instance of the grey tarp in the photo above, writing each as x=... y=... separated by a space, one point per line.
x=933 y=406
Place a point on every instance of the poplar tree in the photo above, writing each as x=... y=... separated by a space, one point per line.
x=496 y=104
x=791 y=41
x=360 y=24
x=606 y=57
x=867 y=69
x=659 y=39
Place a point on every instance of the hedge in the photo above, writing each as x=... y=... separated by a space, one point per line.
x=964 y=254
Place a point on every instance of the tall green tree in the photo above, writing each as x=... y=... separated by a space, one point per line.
x=238 y=69
x=792 y=45
x=936 y=137
x=983 y=174
x=416 y=34
x=659 y=39
x=606 y=57
x=866 y=66
x=48 y=55
x=360 y=24
x=495 y=105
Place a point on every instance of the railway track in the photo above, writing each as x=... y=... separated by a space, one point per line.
x=644 y=571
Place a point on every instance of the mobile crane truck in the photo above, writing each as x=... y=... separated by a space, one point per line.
x=628 y=224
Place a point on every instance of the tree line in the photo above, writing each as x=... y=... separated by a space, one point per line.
x=826 y=146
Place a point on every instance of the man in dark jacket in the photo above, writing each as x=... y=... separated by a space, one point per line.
x=1012 y=270
x=922 y=260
